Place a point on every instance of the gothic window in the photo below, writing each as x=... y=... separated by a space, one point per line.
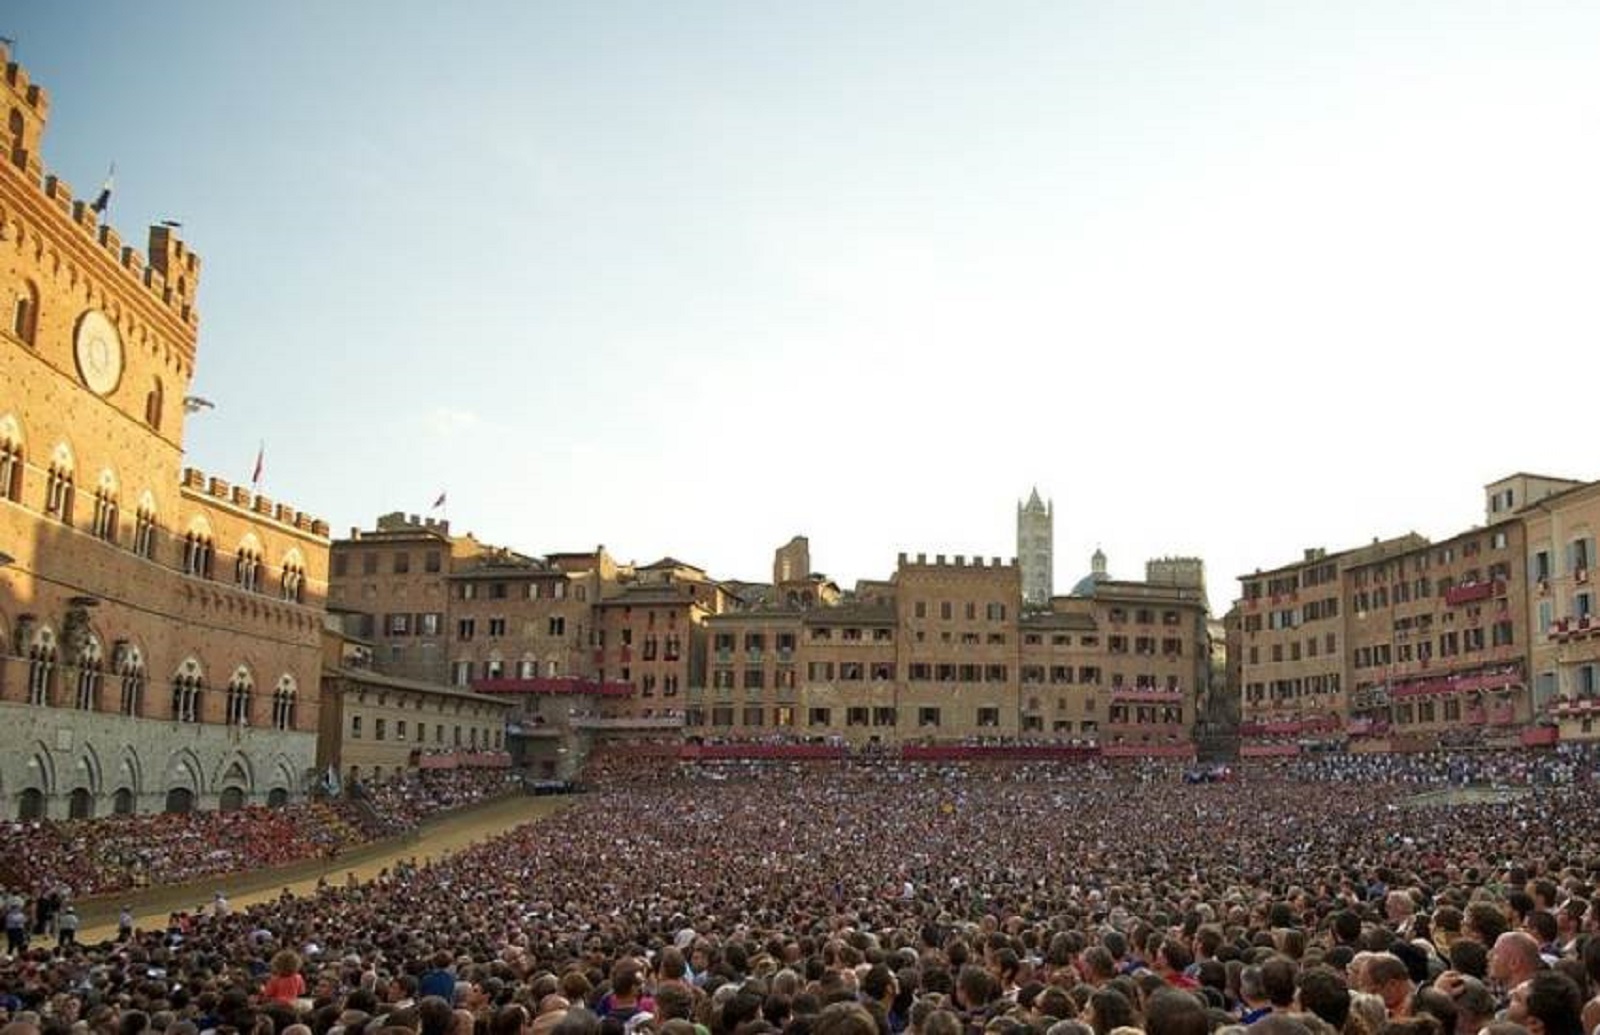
x=90 y=674
x=247 y=566
x=283 y=704
x=239 y=693
x=41 y=666
x=104 y=524
x=197 y=553
x=188 y=685
x=130 y=670
x=292 y=584
x=58 y=486
x=11 y=462
x=144 y=531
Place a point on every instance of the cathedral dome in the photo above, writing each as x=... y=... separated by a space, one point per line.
x=1097 y=574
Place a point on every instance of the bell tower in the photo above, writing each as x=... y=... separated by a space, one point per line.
x=1036 y=549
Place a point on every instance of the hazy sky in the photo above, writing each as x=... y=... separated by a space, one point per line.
x=1227 y=279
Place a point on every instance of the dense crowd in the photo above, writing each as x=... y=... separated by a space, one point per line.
x=886 y=899
x=1570 y=763
x=405 y=799
x=82 y=858
x=95 y=856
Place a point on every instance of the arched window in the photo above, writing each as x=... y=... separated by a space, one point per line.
x=130 y=669
x=247 y=565
x=11 y=461
x=188 y=685
x=283 y=704
x=293 y=583
x=90 y=673
x=105 y=508
x=239 y=688
x=58 y=487
x=152 y=404
x=41 y=666
x=25 y=313
x=197 y=552
x=144 y=528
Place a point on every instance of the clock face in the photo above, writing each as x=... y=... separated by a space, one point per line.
x=99 y=351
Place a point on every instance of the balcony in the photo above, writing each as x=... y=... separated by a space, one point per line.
x=1145 y=695
x=630 y=723
x=1574 y=627
x=1472 y=592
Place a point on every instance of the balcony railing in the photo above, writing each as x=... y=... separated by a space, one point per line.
x=1474 y=591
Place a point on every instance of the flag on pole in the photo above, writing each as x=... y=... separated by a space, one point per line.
x=438 y=502
x=103 y=199
x=261 y=457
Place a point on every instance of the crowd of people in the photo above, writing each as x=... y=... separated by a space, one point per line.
x=404 y=800
x=115 y=853
x=82 y=858
x=880 y=899
x=1566 y=764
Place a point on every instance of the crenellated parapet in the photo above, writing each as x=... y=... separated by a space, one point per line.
x=197 y=483
x=955 y=563
x=168 y=270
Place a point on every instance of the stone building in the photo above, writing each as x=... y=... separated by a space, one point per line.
x=393 y=582
x=1410 y=645
x=943 y=652
x=161 y=627
x=1436 y=643
x=376 y=725
x=1293 y=639
x=1562 y=621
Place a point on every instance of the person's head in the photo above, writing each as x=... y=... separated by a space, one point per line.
x=1053 y=1001
x=1514 y=958
x=1252 y=988
x=844 y=1018
x=1470 y=958
x=434 y=1014
x=510 y=1020
x=1475 y=1006
x=1109 y=1009
x=1277 y=980
x=1398 y=906
x=1324 y=992
x=1278 y=1024
x=1483 y=922
x=1548 y=1003
x=1431 y=1002
x=1171 y=1012
x=1388 y=979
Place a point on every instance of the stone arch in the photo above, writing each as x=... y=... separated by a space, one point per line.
x=183 y=770
x=40 y=770
x=86 y=772
x=236 y=770
x=283 y=774
x=129 y=774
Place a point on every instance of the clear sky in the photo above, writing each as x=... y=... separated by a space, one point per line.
x=1222 y=278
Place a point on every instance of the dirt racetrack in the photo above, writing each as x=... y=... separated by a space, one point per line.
x=437 y=838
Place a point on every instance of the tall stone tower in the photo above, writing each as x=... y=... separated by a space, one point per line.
x=1035 y=549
